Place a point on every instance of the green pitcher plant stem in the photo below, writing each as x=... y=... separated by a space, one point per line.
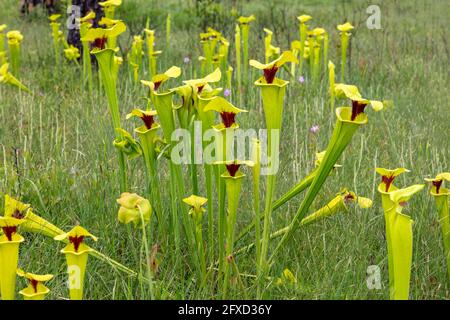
x=272 y=93
x=337 y=204
x=196 y=211
x=233 y=183
x=105 y=59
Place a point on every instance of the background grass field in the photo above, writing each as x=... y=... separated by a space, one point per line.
x=55 y=154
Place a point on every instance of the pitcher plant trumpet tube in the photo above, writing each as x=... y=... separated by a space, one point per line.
x=2 y=39
x=441 y=196
x=196 y=211
x=105 y=59
x=147 y=134
x=109 y=7
x=14 y=40
x=77 y=253
x=233 y=183
x=85 y=24
x=344 y=30
x=303 y=31
x=163 y=103
x=237 y=41
x=54 y=24
x=400 y=249
x=36 y=289
x=10 y=241
x=244 y=24
x=272 y=93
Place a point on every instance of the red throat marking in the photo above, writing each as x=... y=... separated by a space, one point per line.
x=76 y=241
x=437 y=184
x=228 y=118
x=387 y=181
x=232 y=168
x=269 y=74
x=357 y=108
x=148 y=120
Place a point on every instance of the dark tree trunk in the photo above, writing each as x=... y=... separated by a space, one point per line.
x=73 y=35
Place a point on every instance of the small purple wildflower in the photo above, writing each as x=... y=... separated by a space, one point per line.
x=186 y=60
x=314 y=129
x=301 y=79
x=227 y=92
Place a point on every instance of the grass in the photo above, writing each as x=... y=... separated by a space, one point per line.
x=54 y=155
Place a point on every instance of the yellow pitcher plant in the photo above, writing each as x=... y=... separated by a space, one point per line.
x=244 y=24
x=233 y=178
x=135 y=209
x=295 y=48
x=400 y=248
x=162 y=100
x=7 y=78
x=36 y=289
x=268 y=48
x=10 y=241
x=303 y=31
x=345 y=38
x=147 y=134
x=86 y=23
x=224 y=130
x=272 y=92
x=109 y=7
x=33 y=223
x=54 y=24
x=150 y=42
x=318 y=34
x=196 y=211
x=237 y=44
x=14 y=40
x=105 y=59
x=135 y=56
x=441 y=196
x=77 y=253
x=72 y=54
x=331 y=83
x=108 y=23
x=2 y=39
